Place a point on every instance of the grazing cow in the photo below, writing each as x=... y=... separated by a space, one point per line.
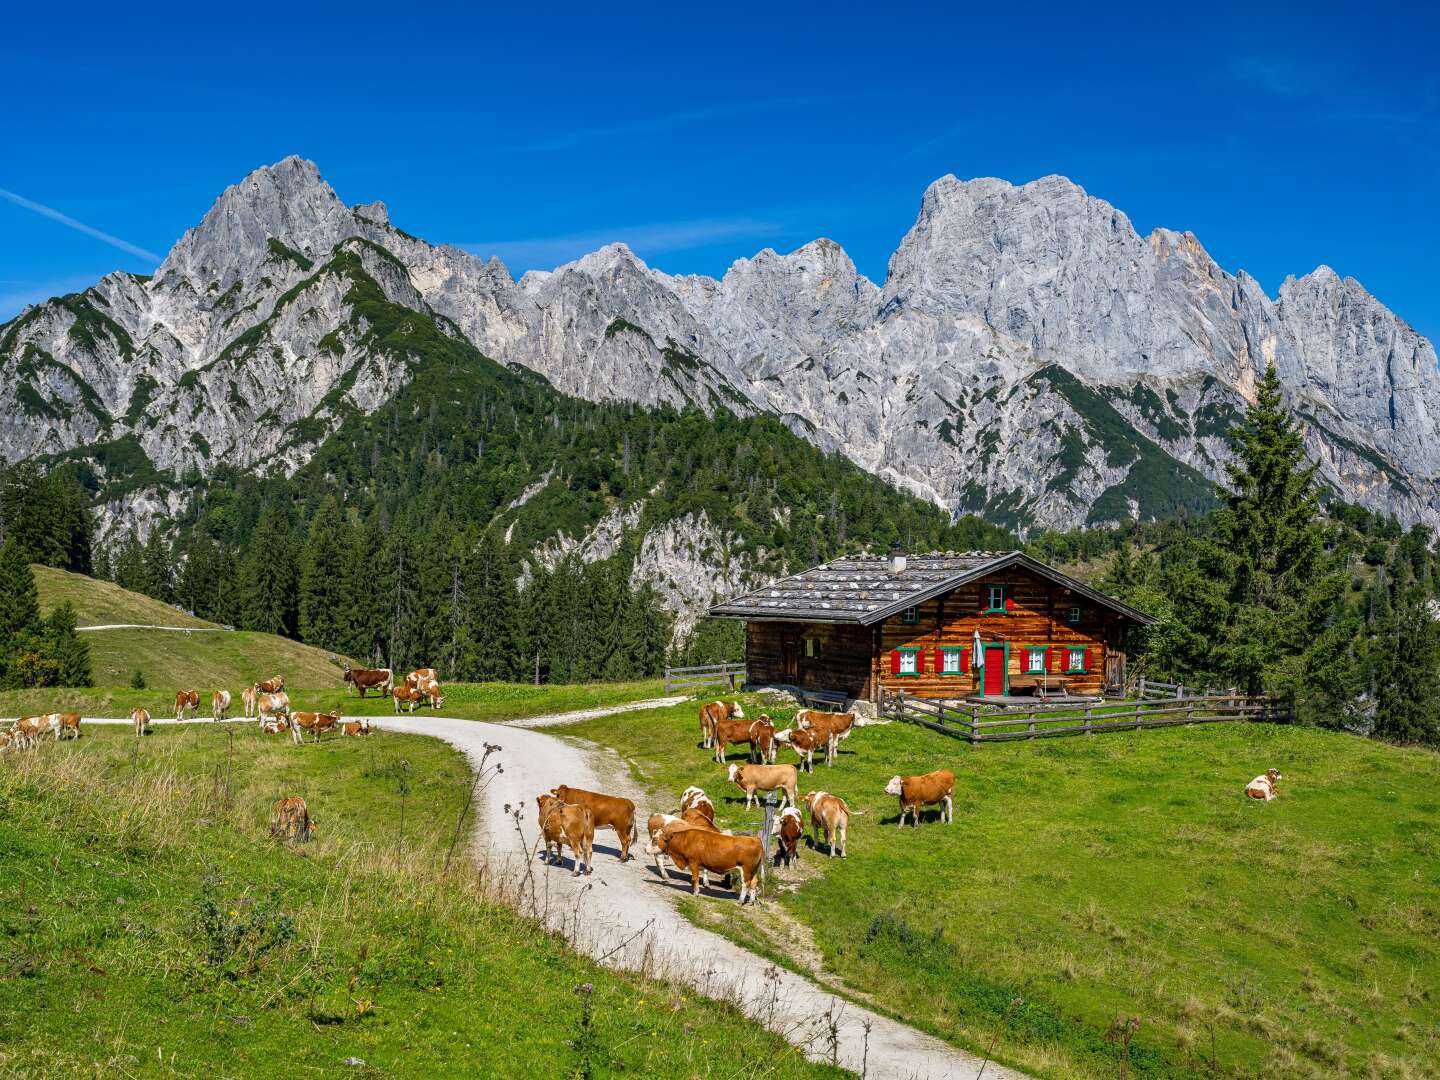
x=831 y=814
x=355 y=728
x=406 y=696
x=694 y=798
x=67 y=725
x=141 y=719
x=711 y=713
x=186 y=702
x=804 y=742
x=29 y=730
x=919 y=791
x=698 y=850
x=420 y=676
x=314 y=722
x=220 y=704
x=729 y=732
x=691 y=819
x=835 y=727
x=611 y=810
x=247 y=698
x=562 y=823
x=277 y=726
x=753 y=778
x=430 y=691
x=1263 y=787
x=787 y=836
x=364 y=678
x=268 y=706
x=271 y=686
x=291 y=820
x=762 y=740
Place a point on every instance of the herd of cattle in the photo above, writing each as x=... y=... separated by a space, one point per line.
x=689 y=838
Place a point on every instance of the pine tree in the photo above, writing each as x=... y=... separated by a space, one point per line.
x=130 y=564
x=494 y=626
x=67 y=648
x=1407 y=681
x=157 y=571
x=19 y=602
x=322 y=585
x=269 y=578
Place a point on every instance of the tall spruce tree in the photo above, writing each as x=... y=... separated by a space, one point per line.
x=158 y=571
x=130 y=564
x=1407 y=653
x=494 y=600
x=67 y=648
x=19 y=602
x=322 y=584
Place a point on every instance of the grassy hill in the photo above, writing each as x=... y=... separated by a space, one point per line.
x=204 y=655
x=150 y=927
x=1122 y=875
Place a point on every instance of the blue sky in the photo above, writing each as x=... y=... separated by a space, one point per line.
x=1282 y=140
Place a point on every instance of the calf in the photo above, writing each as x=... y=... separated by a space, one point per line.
x=8 y=740
x=834 y=727
x=406 y=696
x=355 y=728
x=560 y=823
x=791 y=827
x=247 y=698
x=716 y=853
x=67 y=725
x=219 y=704
x=277 y=726
x=918 y=791
x=1263 y=787
x=141 y=719
x=762 y=740
x=711 y=713
x=417 y=678
x=831 y=814
x=29 y=730
x=727 y=732
x=291 y=820
x=314 y=722
x=611 y=810
x=804 y=742
x=271 y=686
x=753 y=778
x=268 y=706
x=186 y=702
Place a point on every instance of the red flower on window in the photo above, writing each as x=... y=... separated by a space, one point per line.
x=1009 y=604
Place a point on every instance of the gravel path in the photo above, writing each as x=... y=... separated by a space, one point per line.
x=148 y=626
x=626 y=916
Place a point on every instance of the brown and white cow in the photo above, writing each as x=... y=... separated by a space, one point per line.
x=700 y=851
x=430 y=691
x=268 y=706
x=420 y=676
x=727 y=733
x=355 y=728
x=920 y=791
x=291 y=820
x=219 y=704
x=141 y=719
x=694 y=798
x=762 y=740
x=789 y=827
x=317 y=723
x=711 y=713
x=364 y=678
x=691 y=819
x=67 y=725
x=830 y=814
x=272 y=685
x=278 y=725
x=1263 y=787
x=836 y=727
x=566 y=823
x=751 y=778
x=609 y=810
x=186 y=702
x=406 y=696
x=247 y=699
x=804 y=742
x=27 y=731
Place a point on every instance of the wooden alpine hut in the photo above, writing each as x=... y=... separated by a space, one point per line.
x=977 y=624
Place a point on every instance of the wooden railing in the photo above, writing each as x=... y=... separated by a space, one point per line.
x=975 y=724
x=727 y=676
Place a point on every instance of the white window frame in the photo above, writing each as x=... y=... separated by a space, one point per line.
x=990 y=604
x=1073 y=616
x=1071 y=652
x=1031 y=656
x=950 y=662
x=912 y=658
x=911 y=615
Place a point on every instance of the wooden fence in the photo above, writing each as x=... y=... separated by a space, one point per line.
x=727 y=676
x=974 y=724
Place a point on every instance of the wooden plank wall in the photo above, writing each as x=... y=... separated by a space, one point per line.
x=843 y=663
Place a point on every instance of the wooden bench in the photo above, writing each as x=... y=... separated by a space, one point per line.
x=829 y=700
x=1038 y=685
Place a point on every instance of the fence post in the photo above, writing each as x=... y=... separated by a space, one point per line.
x=1088 y=720
x=1141 y=685
x=768 y=822
x=1179 y=690
x=1137 y=715
x=1031 y=718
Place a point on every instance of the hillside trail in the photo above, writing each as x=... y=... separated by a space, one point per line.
x=626 y=915
x=150 y=626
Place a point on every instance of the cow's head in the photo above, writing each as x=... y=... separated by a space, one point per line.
x=791 y=811
x=1273 y=775
x=893 y=787
x=735 y=774
x=783 y=736
x=689 y=794
x=659 y=843
x=736 y=710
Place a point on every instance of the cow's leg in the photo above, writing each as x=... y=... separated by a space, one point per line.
x=844 y=831
x=949 y=809
x=695 y=880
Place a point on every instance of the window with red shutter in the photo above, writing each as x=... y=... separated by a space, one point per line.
x=964 y=660
x=939 y=661
x=894 y=661
x=1089 y=663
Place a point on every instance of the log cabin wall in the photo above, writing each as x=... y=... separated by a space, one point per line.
x=813 y=656
x=1039 y=619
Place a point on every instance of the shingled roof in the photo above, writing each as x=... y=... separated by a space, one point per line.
x=861 y=588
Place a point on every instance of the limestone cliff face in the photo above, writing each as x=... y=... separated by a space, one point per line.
x=1028 y=356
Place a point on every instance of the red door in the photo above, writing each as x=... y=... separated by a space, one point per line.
x=995 y=670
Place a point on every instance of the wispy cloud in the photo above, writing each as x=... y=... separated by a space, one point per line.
x=78 y=226
x=15 y=300
x=647 y=240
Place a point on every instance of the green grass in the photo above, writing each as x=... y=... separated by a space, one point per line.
x=149 y=927
x=1117 y=875
x=493 y=702
x=99 y=603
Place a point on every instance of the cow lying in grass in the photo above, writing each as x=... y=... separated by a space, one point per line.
x=701 y=851
x=920 y=791
x=1263 y=787
x=563 y=823
x=752 y=778
x=356 y=728
x=608 y=810
x=711 y=713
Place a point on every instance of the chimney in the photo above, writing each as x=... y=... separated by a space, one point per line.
x=897 y=561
